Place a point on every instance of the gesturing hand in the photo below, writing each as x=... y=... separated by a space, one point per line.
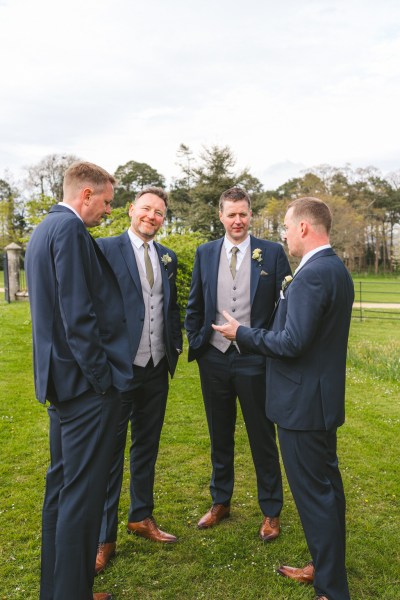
x=229 y=329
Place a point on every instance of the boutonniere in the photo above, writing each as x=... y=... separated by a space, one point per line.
x=257 y=255
x=166 y=259
x=286 y=282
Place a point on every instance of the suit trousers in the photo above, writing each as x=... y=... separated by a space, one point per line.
x=311 y=466
x=224 y=378
x=144 y=407
x=82 y=440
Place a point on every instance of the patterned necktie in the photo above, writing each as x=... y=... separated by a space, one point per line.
x=232 y=266
x=148 y=265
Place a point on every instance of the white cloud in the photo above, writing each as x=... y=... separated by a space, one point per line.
x=304 y=83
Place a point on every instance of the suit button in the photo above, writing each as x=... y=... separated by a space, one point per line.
x=234 y=287
x=234 y=299
x=233 y=309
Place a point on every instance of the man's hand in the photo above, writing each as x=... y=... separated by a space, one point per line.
x=230 y=328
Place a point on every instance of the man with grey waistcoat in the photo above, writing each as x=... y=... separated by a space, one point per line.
x=243 y=275
x=146 y=272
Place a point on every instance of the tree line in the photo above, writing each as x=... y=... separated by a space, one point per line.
x=365 y=205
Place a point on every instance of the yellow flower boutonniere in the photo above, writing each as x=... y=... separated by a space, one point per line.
x=166 y=259
x=257 y=255
x=286 y=282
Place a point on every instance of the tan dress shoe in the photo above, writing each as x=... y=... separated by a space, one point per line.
x=304 y=575
x=216 y=513
x=149 y=530
x=270 y=529
x=104 y=554
x=102 y=596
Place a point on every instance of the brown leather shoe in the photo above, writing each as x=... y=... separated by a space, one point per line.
x=102 y=596
x=304 y=575
x=216 y=513
x=270 y=529
x=148 y=529
x=104 y=553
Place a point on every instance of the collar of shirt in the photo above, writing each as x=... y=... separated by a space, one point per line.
x=70 y=208
x=138 y=243
x=307 y=256
x=242 y=248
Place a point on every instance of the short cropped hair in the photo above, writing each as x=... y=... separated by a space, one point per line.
x=234 y=194
x=157 y=191
x=313 y=209
x=81 y=173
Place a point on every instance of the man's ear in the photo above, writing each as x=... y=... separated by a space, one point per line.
x=86 y=194
x=303 y=226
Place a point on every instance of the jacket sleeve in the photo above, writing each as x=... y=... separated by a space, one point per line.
x=176 y=327
x=306 y=302
x=73 y=258
x=194 y=321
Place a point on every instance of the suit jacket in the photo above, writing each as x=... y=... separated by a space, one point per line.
x=78 y=329
x=307 y=346
x=119 y=253
x=265 y=282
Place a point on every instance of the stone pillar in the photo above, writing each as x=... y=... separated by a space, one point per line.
x=13 y=260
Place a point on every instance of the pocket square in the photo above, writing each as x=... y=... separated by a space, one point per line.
x=263 y=273
x=171 y=275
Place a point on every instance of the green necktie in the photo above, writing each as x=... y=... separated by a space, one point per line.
x=232 y=266
x=148 y=265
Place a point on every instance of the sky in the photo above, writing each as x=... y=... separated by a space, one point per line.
x=287 y=85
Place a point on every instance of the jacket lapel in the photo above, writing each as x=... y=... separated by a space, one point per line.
x=164 y=275
x=214 y=255
x=255 y=269
x=130 y=259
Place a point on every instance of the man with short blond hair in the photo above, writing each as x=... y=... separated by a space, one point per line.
x=306 y=371
x=81 y=365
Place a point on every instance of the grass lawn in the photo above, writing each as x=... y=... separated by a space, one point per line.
x=228 y=562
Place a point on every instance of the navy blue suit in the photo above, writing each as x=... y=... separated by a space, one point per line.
x=144 y=406
x=306 y=369
x=227 y=376
x=81 y=364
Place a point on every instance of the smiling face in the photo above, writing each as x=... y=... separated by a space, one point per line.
x=236 y=217
x=147 y=216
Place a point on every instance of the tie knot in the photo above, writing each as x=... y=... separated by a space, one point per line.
x=235 y=250
x=145 y=244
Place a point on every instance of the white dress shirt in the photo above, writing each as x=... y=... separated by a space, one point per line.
x=70 y=208
x=137 y=242
x=242 y=247
x=307 y=256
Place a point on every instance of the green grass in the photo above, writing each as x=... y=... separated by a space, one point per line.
x=228 y=562
x=377 y=290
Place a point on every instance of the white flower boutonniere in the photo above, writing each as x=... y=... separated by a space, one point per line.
x=166 y=259
x=257 y=255
x=286 y=282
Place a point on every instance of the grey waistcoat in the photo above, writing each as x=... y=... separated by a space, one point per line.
x=233 y=295
x=152 y=340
